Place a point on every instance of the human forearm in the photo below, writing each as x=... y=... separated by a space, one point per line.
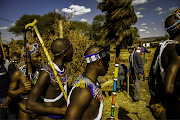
x=41 y=108
x=15 y=93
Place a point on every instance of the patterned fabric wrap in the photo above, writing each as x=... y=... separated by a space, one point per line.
x=63 y=76
x=84 y=82
x=31 y=49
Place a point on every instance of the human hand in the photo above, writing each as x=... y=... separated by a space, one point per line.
x=139 y=76
x=26 y=87
x=5 y=103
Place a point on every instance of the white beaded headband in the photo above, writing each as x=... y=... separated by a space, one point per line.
x=95 y=56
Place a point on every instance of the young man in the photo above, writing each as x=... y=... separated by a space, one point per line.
x=47 y=87
x=19 y=84
x=15 y=59
x=164 y=76
x=137 y=71
x=8 y=107
x=85 y=100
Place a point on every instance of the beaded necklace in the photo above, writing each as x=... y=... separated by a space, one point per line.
x=85 y=82
x=33 y=77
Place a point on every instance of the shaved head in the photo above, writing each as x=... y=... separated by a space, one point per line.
x=92 y=49
x=59 y=44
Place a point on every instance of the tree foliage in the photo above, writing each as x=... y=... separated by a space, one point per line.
x=45 y=22
x=119 y=17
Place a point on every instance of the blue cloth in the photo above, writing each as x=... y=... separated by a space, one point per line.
x=123 y=69
x=143 y=49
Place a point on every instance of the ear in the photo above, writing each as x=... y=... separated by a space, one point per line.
x=99 y=62
x=28 y=59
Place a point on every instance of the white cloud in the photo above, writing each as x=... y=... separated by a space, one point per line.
x=5 y=27
x=146 y=27
x=152 y=23
x=138 y=14
x=141 y=8
x=161 y=12
x=162 y=20
x=158 y=8
x=76 y=10
x=143 y=24
x=56 y=10
x=13 y=24
x=173 y=8
x=147 y=32
x=142 y=30
x=84 y=20
x=100 y=1
x=138 y=2
x=154 y=28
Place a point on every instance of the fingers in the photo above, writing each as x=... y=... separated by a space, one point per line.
x=3 y=106
x=27 y=85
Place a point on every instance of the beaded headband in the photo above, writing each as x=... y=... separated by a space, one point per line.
x=63 y=50
x=177 y=14
x=16 y=60
x=95 y=56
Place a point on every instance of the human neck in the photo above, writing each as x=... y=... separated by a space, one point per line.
x=177 y=38
x=59 y=63
x=92 y=74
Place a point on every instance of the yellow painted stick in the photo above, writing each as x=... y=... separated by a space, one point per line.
x=60 y=29
x=127 y=83
x=47 y=55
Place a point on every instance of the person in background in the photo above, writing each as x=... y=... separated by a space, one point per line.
x=21 y=86
x=123 y=70
x=136 y=70
x=8 y=106
x=15 y=59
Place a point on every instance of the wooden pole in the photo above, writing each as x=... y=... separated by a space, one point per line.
x=2 y=48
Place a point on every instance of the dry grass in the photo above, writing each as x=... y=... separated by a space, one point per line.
x=124 y=107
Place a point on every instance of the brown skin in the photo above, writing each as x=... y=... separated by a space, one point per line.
x=48 y=88
x=82 y=104
x=170 y=59
x=18 y=79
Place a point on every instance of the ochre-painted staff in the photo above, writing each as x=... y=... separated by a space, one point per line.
x=2 y=48
x=25 y=53
x=115 y=82
x=47 y=55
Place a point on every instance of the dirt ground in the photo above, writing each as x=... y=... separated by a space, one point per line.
x=124 y=107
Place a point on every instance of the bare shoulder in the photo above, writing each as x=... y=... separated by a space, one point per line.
x=83 y=95
x=16 y=75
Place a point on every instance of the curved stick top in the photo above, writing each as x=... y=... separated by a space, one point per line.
x=31 y=24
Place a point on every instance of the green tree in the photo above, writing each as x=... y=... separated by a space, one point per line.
x=119 y=17
x=97 y=27
x=85 y=27
x=45 y=23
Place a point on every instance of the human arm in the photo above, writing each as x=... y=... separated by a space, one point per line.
x=171 y=73
x=16 y=77
x=146 y=50
x=80 y=100
x=36 y=92
x=5 y=103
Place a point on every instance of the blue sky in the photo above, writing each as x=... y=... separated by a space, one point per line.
x=151 y=13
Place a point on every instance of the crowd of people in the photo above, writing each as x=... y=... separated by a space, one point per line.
x=30 y=89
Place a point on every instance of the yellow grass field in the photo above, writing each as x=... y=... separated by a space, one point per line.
x=124 y=107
